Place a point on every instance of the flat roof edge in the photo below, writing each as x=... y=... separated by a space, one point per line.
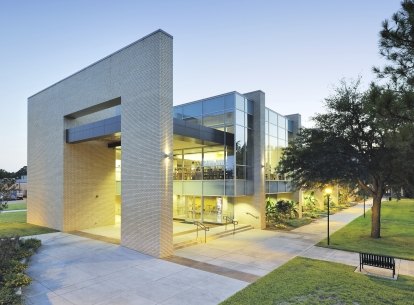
x=102 y=59
x=207 y=98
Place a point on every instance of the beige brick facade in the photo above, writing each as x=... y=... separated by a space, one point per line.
x=71 y=186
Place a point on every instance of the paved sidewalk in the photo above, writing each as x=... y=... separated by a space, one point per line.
x=71 y=269
x=258 y=252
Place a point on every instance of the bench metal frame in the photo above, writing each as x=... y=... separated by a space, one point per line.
x=375 y=260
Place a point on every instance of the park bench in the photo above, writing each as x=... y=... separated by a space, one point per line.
x=375 y=260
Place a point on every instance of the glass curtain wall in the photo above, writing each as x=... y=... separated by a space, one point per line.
x=276 y=137
x=205 y=176
x=243 y=145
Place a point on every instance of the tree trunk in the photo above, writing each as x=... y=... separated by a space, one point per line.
x=376 y=217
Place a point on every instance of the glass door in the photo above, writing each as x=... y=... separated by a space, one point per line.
x=194 y=208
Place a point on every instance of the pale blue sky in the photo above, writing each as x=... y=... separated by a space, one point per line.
x=295 y=51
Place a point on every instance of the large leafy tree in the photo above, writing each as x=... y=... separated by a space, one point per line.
x=353 y=144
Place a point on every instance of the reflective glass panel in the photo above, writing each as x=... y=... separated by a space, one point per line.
x=272 y=117
x=229 y=118
x=273 y=130
x=194 y=120
x=282 y=121
x=213 y=119
x=240 y=102
x=240 y=172
x=213 y=105
x=230 y=129
x=240 y=117
x=229 y=101
x=250 y=145
x=178 y=112
x=282 y=134
x=192 y=110
x=240 y=145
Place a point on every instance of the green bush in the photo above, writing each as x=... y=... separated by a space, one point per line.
x=281 y=210
x=9 y=297
x=12 y=249
x=30 y=243
x=14 y=280
x=13 y=266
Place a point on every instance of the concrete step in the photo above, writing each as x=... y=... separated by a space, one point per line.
x=216 y=233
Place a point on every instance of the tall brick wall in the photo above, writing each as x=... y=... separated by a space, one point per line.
x=141 y=75
x=89 y=186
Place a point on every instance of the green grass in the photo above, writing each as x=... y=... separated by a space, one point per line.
x=17 y=205
x=312 y=282
x=397 y=232
x=15 y=224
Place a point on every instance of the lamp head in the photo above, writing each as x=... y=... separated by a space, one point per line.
x=328 y=190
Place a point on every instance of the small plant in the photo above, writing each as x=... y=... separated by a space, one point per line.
x=13 y=266
x=14 y=280
x=12 y=249
x=310 y=202
x=30 y=243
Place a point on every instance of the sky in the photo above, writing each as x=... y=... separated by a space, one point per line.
x=294 y=51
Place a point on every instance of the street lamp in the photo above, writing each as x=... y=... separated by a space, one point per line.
x=364 y=204
x=328 y=192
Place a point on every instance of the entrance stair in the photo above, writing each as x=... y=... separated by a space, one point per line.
x=189 y=238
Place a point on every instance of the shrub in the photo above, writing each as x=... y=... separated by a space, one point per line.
x=281 y=210
x=13 y=249
x=30 y=243
x=13 y=266
x=9 y=297
x=14 y=280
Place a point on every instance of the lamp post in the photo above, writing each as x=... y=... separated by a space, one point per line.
x=364 y=204
x=328 y=192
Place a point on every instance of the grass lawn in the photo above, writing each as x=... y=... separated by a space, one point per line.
x=306 y=281
x=15 y=224
x=17 y=205
x=397 y=232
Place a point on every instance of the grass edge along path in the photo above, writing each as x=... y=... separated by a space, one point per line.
x=12 y=224
x=306 y=281
x=397 y=233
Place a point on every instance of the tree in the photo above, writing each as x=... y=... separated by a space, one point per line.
x=396 y=45
x=352 y=144
x=7 y=187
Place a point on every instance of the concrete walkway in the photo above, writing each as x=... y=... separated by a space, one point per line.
x=13 y=211
x=74 y=270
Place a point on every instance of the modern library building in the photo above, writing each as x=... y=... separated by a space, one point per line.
x=109 y=154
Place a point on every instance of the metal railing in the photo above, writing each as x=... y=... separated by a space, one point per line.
x=248 y=213
x=228 y=220
x=201 y=226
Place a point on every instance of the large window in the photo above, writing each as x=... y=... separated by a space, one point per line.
x=276 y=140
